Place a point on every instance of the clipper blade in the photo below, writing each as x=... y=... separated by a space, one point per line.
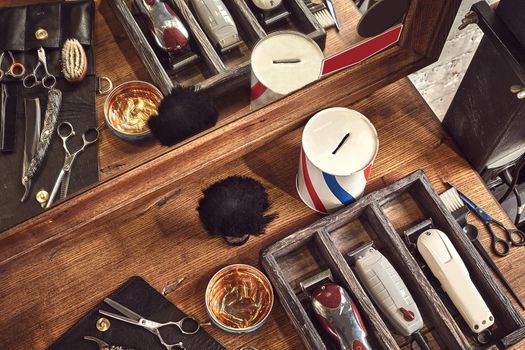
x=316 y=280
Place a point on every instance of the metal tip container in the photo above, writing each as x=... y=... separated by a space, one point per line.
x=128 y=108
x=239 y=298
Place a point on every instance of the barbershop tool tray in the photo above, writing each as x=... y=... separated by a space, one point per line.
x=139 y=296
x=383 y=217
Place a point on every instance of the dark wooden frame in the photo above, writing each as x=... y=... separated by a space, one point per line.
x=507 y=316
x=221 y=78
x=427 y=26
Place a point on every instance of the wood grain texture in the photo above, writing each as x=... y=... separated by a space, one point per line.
x=55 y=268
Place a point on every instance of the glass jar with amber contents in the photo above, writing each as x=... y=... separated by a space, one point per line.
x=239 y=298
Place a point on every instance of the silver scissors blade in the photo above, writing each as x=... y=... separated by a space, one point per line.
x=331 y=8
x=122 y=309
x=119 y=317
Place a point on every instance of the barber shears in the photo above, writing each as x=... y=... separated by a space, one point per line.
x=48 y=80
x=15 y=70
x=102 y=345
x=500 y=246
x=65 y=131
x=186 y=325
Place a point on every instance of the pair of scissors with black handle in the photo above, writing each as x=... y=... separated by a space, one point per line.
x=500 y=246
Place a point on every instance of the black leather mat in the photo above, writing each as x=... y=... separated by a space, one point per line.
x=137 y=295
x=78 y=108
x=62 y=20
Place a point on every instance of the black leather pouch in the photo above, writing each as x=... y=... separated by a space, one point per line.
x=18 y=27
x=137 y=295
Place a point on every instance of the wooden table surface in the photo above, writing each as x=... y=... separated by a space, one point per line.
x=47 y=287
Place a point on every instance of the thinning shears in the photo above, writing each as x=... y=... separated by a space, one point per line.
x=500 y=246
x=65 y=131
x=186 y=325
x=48 y=80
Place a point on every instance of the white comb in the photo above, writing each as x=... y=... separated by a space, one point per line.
x=324 y=18
x=452 y=200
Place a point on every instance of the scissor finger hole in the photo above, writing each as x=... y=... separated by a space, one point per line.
x=17 y=70
x=91 y=135
x=501 y=247
x=517 y=237
x=29 y=81
x=65 y=130
x=1 y=74
x=189 y=325
x=49 y=81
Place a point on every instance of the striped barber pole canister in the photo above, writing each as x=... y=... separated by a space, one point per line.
x=339 y=146
x=286 y=61
x=281 y=63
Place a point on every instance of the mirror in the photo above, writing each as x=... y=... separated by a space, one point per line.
x=215 y=61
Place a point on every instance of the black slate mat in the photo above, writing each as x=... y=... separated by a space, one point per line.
x=78 y=108
x=63 y=20
x=137 y=295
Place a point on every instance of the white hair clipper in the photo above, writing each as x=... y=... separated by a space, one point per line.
x=336 y=312
x=445 y=263
x=389 y=292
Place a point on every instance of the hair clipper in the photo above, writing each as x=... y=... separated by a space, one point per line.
x=336 y=312
x=164 y=25
x=445 y=263
x=389 y=292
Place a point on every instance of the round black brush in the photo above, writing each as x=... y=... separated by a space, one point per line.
x=235 y=209
x=182 y=113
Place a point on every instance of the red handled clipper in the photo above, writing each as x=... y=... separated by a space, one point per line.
x=337 y=313
x=164 y=25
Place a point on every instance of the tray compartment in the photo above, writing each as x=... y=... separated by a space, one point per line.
x=372 y=224
x=310 y=254
x=218 y=72
x=382 y=216
x=419 y=196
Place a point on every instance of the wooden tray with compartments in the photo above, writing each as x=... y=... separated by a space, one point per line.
x=214 y=71
x=382 y=217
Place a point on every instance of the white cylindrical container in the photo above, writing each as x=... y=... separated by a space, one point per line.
x=281 y=63
x=339 y=146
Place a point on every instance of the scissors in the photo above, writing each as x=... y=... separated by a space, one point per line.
x=102 y=345
x=187 y=325
x=48 y=80
x=65 y=131
x=500 y=246
x=16 y=69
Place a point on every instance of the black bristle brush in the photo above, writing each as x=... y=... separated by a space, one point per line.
x=182 y=113
x=235 y=209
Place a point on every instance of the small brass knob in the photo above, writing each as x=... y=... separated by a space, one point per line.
x=41 y=34
x=42 y=197
x=103 y=324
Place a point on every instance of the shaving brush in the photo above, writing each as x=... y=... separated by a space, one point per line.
x=235 y=209
x=182 y=114
x=74 y=61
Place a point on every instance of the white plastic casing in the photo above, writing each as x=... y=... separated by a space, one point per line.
x=388 y=290
x=445 y=263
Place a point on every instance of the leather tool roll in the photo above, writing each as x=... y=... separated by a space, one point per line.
x=137 y=295
x=59 y=21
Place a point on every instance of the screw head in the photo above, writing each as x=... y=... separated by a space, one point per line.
x=41 y=34
x=103 y=324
